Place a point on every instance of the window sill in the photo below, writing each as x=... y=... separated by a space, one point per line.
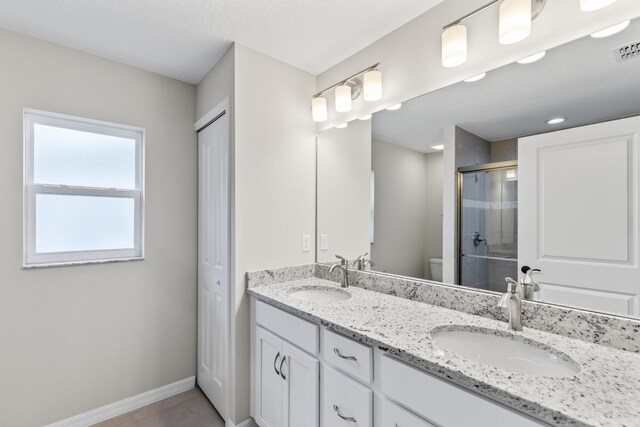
x=84 y=262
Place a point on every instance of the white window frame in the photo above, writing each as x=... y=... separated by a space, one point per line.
x=31 y=258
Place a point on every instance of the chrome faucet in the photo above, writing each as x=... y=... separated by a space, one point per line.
x=511 y=300
x=343 y=266
x=362 y=262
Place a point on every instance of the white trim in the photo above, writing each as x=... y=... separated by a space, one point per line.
x=246 y=423
x=127 y=405
x=223 y=106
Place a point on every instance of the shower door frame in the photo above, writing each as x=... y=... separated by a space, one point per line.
x=485 y=167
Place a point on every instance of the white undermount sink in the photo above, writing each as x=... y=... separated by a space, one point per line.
x=506 y=351
x=319 y=294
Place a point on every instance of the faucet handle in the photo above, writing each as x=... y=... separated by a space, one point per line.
x=343 y=260
x=362 y=257
x=512 y=285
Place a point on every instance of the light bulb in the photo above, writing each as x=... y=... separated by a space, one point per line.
x=342 y=125
x=372 y=85
x=454 y=46
x=319 y=109
x=515 y=21
x=395 y=107
x=590 y=5
x=609 y=31
x=476 y=78
x=343 y=98
x=365 y=117
x=533 y=58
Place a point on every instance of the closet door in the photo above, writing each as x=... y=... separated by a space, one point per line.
x=578 y=214
x=213 y=260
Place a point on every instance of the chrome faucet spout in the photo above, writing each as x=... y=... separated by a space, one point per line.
x=343 y=267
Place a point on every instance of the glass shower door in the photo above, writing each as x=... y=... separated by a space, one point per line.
x=488 y=225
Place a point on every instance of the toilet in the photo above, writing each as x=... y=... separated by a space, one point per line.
x=436 y=269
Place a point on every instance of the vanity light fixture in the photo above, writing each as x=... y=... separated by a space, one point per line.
x=395 y=107
x=367 y=117
x=342 y=125
x=533 y=58
x=475 y=79
x=614 y=29
x=454 y=46
x=591 y=5
x=556 y=120
x=348 y=90
x=515 y=21
x=319 y=109
x=514 y=25
x=438 y=147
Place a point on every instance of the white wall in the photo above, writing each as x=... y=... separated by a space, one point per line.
x=411 y=56
x=344 y=187
x=75 y=338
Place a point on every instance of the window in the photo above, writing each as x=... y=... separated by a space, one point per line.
x=83 y=190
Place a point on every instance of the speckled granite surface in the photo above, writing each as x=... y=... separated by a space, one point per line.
x=613 y=331
x=606 y=392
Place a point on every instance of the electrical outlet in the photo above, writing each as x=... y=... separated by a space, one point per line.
x=306 y=243
x=324 y=242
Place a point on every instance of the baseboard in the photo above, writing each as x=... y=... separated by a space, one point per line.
x=127 y=405
x=246 y=423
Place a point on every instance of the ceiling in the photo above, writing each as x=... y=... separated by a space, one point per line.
x=183 y=39
x=580 y=80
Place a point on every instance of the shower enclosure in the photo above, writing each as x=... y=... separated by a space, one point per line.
x=488 y=225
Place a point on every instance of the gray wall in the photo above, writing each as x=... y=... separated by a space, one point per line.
x=75 y=338
x=408 y=209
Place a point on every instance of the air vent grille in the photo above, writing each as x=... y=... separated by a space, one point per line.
x=627 y=52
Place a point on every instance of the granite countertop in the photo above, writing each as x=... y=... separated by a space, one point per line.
x=606 y=392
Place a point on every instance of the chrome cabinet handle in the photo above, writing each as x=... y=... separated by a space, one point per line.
x=275 y=362
x=336 y=351
x=281 y=371
x=337 y=411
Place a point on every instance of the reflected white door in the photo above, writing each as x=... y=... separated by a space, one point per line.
x=578 y=214
x=213 y=261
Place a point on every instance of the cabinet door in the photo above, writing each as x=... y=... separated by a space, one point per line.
x=345 y=402
x=269 y=383
x=301 y=388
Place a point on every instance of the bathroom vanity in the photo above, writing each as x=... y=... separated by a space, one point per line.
x=330 y=356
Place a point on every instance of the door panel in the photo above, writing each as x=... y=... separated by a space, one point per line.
x=578 y=218
x=269 y=384
x=302 y=385
x=213 y=261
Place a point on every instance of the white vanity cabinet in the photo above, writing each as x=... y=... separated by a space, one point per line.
x=307 y=376
x=286 y=378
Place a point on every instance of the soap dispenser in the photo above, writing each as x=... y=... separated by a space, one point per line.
x=528 y=287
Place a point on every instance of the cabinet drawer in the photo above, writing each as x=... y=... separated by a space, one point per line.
x=299 y=332
x=345 y=402
x=395 y=416
x=351 y=357
x=440 y=402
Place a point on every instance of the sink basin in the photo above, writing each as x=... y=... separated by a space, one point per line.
x=506 y=351
x=319 y=294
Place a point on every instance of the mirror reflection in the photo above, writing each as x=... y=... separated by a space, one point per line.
x=528 y=172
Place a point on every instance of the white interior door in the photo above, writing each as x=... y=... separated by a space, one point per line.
x=578 y=214
x=213 y=261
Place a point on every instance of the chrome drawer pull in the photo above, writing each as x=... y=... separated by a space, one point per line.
x=275 y=361
x=337 y=411
x=336 y=351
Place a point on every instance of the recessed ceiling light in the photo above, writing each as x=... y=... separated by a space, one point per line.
x=590 y=5
x=438 y=147
x=533 y=58
x=367 y=117
x=476 y=78
x=614 y=29
x=395 y=107
x=556 y=120
x=342 y=125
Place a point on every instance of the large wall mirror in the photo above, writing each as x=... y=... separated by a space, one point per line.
x=533 y=164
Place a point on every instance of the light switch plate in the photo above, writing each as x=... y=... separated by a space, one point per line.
x=324 y=242
x=306 y=243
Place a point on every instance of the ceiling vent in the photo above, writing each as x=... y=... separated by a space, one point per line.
x=627 y=52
